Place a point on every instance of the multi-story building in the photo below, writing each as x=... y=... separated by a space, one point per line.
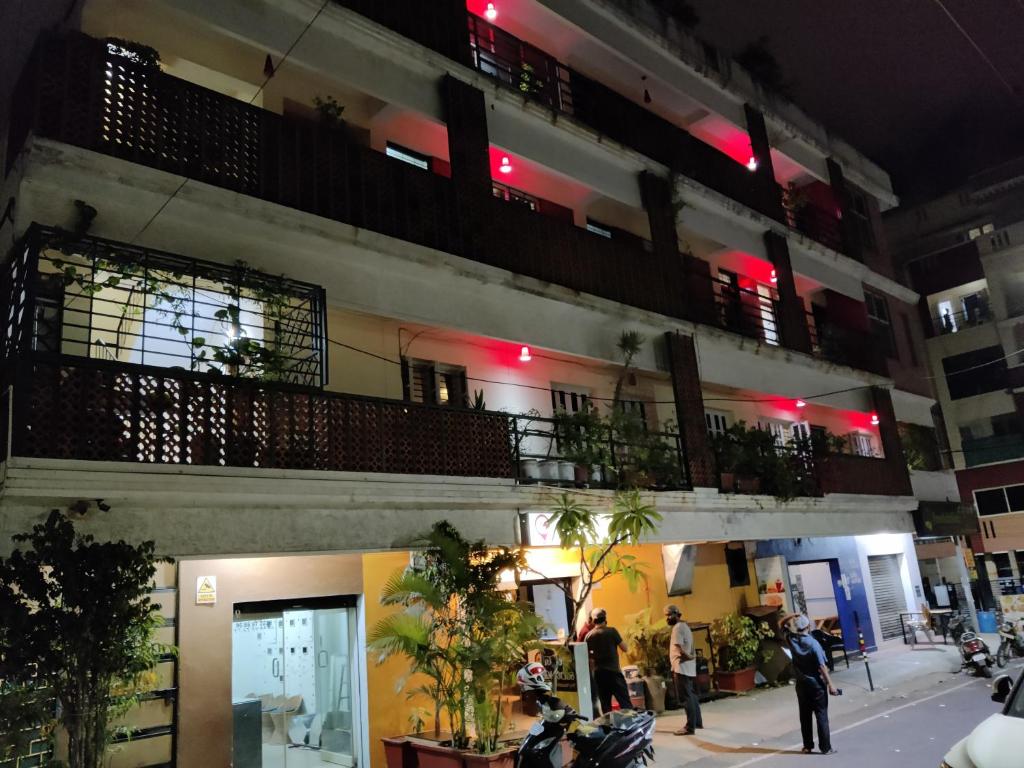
x=291 y=280
x=962 y=254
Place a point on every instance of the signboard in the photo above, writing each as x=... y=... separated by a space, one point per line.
x=537 y=532
x=1013 y=607
x=206 y=590
x=944 y=518
x=773 y=582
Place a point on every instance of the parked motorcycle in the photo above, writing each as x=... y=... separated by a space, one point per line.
x=956 y=627
x=975 y=655
x=622 y=739
x=1011 y=642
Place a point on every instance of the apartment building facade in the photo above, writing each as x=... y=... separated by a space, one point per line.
x=289 y=281
x=962 y=253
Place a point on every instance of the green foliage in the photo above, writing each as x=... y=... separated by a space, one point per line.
x=141 y=54
x=630 y=520
x=762 y=66
x=920 y=447
x=76 y=622
x=329 y=109
x=478 y=404
x=629 y=345
x=737 y=640
x=648 y=643
x=457 y=630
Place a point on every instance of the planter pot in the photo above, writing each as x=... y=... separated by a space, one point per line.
x=655 y=690
x=728 y=481
x=596 y=475
x=436 y=756
x=529 y=469
x=399 y=753
x=548 y=469
x=581 y=474
x=748 y=484
x=738 y=681
x=504 y=758
x=567 y=471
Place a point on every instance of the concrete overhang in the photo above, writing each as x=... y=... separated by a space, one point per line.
x=192 y=511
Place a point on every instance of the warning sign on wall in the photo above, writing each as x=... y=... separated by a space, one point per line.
x=206 y=590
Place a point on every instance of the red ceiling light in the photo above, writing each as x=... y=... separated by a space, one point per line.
x=752 y=164
x=506 y=166
x=801 y=404
x=491 y=13
x=524 y=354
x=774 y=277
x=874 y=419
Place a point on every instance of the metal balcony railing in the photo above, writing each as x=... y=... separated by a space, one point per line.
x=952 y=322
x=752 y=313
x=846 y=346
x=817 y=223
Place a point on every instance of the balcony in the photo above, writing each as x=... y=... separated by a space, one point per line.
x=992 y=449
x=954 y=322
x=819 y=224
x=846 y=346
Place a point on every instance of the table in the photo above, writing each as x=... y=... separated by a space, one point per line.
x=942 y=614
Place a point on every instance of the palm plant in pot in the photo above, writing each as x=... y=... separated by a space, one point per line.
x=737 y=641
x=451 y=613
x=648 y=643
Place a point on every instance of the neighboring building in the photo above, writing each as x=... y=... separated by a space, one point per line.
x=494 y=206
x=963 y=253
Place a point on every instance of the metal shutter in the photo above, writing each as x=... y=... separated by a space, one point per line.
x=890 y=600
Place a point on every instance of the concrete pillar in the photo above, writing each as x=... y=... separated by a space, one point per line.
x=765 y=173
x=656 y=194
x=682 y=357
x=892 y=446
x=792 y=315
x=965 y=583
x=848 y=223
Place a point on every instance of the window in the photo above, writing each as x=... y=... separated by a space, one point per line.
x=433 y=383
x=975 y=372
x=717 y=421
x=993 y=501
x=862 y=444
x=881 y=325
x=862 y=217
x=975 y=232
x=399 y=152
x=568 y=399
x=1001 y=560
x=634 y=408
x=510 y=195
x=736 y=562
x=780 y=430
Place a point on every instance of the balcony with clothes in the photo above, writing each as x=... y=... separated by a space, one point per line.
x=120 y=353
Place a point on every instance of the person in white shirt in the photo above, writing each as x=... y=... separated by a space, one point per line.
x=684 y=669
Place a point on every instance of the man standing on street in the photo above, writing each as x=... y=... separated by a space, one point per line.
x=684 y=669
x=813 y=685
x=604 y=644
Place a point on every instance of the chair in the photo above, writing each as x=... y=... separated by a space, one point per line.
x=923 y=624
x=829 y=644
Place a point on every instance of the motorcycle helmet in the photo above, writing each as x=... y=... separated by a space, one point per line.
x=531 y=678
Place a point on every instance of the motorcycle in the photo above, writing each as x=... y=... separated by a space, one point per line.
x=1011 y=642
x=622 y=739
x=975 y=654
x=957 y=626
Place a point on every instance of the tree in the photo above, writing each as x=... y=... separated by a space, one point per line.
x=759 y=61
x=630 y=520
x=76 y=623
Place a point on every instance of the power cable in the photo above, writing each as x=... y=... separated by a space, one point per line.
x=258 y=91
x=984 y=56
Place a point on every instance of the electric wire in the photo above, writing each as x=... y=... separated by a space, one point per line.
x=978 y=49
x=258 y=91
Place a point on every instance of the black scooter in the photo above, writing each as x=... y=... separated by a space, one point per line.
x=622 y=739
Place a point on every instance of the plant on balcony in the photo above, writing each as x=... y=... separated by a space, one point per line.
x=764 y=69
x=577 y=528
x=143 y=55
x=76 y=625
x=737 y=641
x=329 y=110
x=457 y=630
x=750 y=460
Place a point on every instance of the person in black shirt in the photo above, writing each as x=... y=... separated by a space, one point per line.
x=604 y=644
x=813 y=684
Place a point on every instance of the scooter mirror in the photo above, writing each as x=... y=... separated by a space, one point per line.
x=1001 y=688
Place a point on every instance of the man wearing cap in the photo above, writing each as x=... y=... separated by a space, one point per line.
x=813 y=684
x=684 y=669
x=604 y=644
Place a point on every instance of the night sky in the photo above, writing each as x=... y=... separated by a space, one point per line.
x=895 y=77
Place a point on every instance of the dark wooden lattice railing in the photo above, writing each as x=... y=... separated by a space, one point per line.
x=94 y=410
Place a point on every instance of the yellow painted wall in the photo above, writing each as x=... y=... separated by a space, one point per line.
x=388 y=708
x=712 y=596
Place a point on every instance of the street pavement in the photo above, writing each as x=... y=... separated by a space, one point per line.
x=921 y=706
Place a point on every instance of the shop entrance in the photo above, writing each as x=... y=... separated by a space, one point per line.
x=818 y=592
x=294 y=684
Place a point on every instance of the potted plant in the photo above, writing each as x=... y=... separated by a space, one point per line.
x=737 y=640
x=648 y=643
x=726 y=453
x=456 y=629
